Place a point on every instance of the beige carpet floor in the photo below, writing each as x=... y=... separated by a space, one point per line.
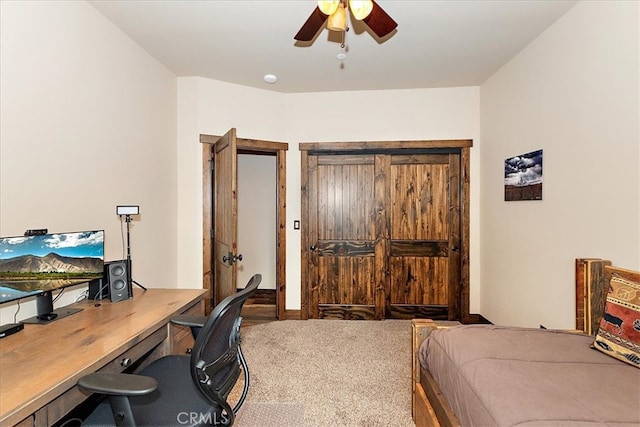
x=254 y=414
x=308 y=373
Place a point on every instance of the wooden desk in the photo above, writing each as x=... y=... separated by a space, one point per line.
x=40 y=366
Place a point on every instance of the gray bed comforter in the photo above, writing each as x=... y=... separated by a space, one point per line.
x=501 y=376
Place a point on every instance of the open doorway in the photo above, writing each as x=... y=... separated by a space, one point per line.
x=257 y=169
x=257 y=222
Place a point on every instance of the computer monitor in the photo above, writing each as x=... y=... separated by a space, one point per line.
x=39 y=265
x=8 y=294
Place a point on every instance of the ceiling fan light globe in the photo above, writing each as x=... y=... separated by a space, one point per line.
x=338 y=20
x=360 y=8
x=328 y=7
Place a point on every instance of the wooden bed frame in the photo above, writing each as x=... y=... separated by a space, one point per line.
x=430 y=407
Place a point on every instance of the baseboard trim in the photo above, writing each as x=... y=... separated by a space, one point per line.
x=292 y=314
x=470 y=319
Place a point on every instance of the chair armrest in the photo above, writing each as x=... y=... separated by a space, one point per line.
x=191 y=321
x=113 y=383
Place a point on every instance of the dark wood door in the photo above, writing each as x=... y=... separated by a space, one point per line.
x=424 y=245
x=219 y=215
x=383 y=234
x=342 y=232
x=225 y=216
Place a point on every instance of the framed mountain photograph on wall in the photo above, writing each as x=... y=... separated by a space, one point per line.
x=523 y=177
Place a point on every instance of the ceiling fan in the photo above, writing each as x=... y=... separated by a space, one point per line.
x=334 y=13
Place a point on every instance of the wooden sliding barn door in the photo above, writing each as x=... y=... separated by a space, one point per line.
x=384 y=231
x=425 y=243
x=342 y=236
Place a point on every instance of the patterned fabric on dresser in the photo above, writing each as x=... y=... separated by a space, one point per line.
x=619 y=331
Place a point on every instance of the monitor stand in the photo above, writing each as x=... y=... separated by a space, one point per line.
x=46 y=313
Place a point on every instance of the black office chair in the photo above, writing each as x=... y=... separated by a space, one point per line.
x=181 y=390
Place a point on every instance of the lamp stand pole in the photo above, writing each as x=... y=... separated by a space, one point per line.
x=130 y=281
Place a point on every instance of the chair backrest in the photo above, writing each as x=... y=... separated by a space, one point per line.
x=215 y=358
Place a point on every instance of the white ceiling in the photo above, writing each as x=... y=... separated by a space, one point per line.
x=437 y=43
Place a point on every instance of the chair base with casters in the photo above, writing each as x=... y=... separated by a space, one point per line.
x=181 y=390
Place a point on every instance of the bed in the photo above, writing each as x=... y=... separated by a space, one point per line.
x=488 y=375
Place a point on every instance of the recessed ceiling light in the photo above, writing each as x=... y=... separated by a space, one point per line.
x=341 y=56
x=270 y=78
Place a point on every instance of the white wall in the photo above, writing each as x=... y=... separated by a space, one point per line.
x=88 y=122
x=293 y=118
x=574 y=93
x=393 y=115
x=212 y=107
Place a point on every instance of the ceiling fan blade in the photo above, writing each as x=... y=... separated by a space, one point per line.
x=311 y=26
x=379 y=21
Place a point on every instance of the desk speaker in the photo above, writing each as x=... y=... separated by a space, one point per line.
x=116 y=274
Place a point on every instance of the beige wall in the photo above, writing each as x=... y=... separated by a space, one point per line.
x=88 y=121
x=451 y=113
x=293 y=118
x=212 y=107
x=574 y=93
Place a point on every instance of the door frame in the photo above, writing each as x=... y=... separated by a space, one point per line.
x=389 y=147
x=245 y=146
